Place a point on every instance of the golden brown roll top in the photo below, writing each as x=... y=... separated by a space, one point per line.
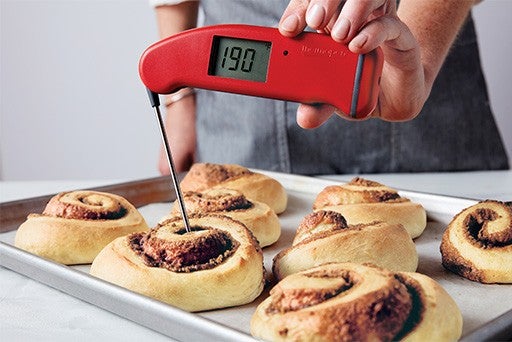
x=218 y=264
x=365 y=201
x=319 y=223
x=477 y=243
x=76 y=225
x=354 y=302
x=255 y=186
x=261 y=220
x=86 y=205
x=324 y=236
x=214 y=200
x=202 y=176
x=357 y=191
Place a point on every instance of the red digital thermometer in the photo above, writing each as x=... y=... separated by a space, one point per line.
x=259 y=61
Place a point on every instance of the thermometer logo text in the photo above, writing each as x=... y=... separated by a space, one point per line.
x=320 y=52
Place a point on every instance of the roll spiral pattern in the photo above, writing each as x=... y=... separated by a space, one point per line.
x=76 y=225
x=255 y=186
x=364 y=201
x=477 y=243
x=218 y=264
x=355 y=302
x=261 y=220
x=324 y=236
x=86 y=205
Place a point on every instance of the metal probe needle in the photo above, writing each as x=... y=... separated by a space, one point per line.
x=179 y=196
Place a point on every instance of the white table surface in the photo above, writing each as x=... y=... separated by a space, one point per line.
x=32 y=311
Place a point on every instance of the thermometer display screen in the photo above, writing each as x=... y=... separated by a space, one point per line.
x=240 y=58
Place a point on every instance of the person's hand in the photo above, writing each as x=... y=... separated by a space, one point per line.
x=364 y=25
x=181 y=134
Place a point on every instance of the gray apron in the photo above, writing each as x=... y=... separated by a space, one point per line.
x=455 y=130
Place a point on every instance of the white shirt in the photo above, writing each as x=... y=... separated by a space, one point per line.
x=156 y=3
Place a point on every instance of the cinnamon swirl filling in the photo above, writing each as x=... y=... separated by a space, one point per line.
x=214 y=200
x=173 y=248
x=358 y=190
x=417 y=305
x=85 y=205
x=480 y=229
x=330 y=284
x=477 y=243
x=356 y=302
x=319 y=222
x=342 y=302
x=207 y=175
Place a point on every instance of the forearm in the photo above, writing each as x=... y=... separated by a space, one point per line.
x=180 y=118
x=172 y=19
x=435 y=24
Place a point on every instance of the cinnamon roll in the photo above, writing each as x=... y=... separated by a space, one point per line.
x=261 y=220
x=76 y=225
x=254 y=185
x=364 y=201
x=218 y=264
x=325 y=236
x=477 y=243
x=355 y=302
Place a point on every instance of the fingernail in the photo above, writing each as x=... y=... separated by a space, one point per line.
x=315 y=16
x=359 y=40
x=341 y=29
x=290 y=24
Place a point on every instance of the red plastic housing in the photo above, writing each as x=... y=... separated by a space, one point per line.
x=310 y=68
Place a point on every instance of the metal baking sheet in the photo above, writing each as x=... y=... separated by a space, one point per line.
x=486 y=309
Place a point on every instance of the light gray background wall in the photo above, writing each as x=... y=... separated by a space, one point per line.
x=72 y=105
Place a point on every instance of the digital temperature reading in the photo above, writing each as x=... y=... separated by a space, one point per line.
x=240 y=58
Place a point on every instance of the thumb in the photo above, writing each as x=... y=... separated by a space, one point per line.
x=313 y=116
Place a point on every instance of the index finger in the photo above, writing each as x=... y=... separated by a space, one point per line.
x=293 y=20
x=317 y=14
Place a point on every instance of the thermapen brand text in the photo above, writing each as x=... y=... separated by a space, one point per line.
x=321 y=52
